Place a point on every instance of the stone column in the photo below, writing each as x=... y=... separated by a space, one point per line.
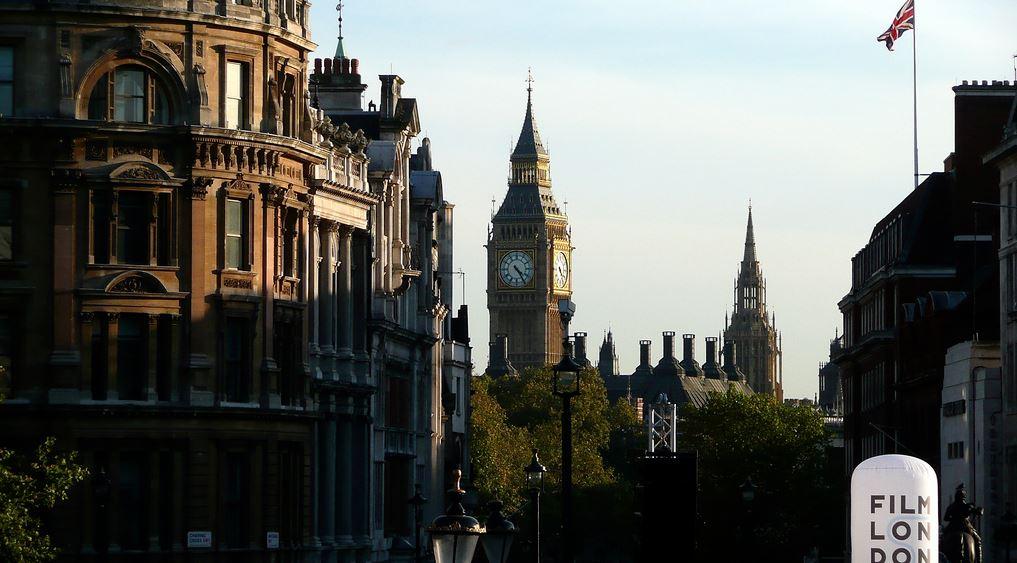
x=326 y=299
x=311 y=280
x=87 y=330
x=272 y=198
x=201 y=341
x=345 y=474
x=176 y=391
x=345 y=304
x=113 y=334
x=151 y=389
x=64 y=358
x=328 y=486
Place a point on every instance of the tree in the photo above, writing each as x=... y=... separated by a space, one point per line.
x=783 y=449
x=511 y=415
x=29 y=487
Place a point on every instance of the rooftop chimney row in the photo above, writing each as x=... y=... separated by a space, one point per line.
x=337 y=67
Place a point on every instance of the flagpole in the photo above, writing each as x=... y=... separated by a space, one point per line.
x=914 y=77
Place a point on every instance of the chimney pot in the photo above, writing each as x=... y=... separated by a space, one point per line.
x=668 y=344
x=317 y=66
x=355 y=67
x=328 y=66
x=644 y=352
x=346 y=65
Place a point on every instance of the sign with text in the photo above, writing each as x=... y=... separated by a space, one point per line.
x=272 y=540
x=894 y=511
x=199 y=540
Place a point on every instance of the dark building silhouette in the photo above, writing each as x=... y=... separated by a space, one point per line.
x=927 y=279
x=607 y=365
x=830 y=399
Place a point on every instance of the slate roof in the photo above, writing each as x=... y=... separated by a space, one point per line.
x=681 y=389
x=529 y=143
x=426 y=184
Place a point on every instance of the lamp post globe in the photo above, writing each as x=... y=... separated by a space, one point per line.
x=535 y=474
x=498 y=534
x=748 y=490
x=566 y=375
x=454 y=535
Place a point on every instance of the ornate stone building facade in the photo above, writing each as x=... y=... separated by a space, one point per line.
x=206 y=281
x=755 y=334
x=529 y=258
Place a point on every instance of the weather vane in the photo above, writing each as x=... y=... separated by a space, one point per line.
x=339 y=8
x=529 y=79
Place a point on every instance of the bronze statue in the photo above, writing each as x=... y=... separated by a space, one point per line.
x=960 y=542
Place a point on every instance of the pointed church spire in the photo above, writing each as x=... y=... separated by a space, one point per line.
x=750 y=241
x=529 y=144
x=340 y=53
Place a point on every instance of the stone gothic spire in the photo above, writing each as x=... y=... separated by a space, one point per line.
x=750 y=242
x=529 y=144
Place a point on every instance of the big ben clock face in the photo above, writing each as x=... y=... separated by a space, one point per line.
x=516 y=269
x=561 y=269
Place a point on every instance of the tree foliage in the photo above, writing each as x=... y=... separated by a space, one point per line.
x=783 y=449
x=511 y=415
x=29 y=487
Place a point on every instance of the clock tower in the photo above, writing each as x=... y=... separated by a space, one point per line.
x=529 y=256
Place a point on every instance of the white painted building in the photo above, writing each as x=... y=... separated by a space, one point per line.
x=970 y=434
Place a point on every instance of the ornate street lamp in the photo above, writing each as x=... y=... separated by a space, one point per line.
x=748 y=491
x=454 y=535
x=497 y=539
x=566 y=385
x=417 y=501
x=535 y=483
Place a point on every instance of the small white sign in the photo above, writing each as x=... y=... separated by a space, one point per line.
x=272 y=540
x=199 y=540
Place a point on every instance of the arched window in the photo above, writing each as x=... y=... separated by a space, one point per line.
x=131 y=94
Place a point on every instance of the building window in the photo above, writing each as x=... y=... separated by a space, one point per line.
x=236 y=234
x=132 y=511
x=6 y=224
x=129 y=94
x=236 y=95
x=289 y=240
x=236 y=367
x=397 y=402
x=287 y=354
x=955 y=450
x=236 y=492
x=132 y=357
x=288 y=106
x=122 y=227
x=397 y=490
x=6 y=81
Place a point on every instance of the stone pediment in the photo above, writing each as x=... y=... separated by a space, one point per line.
x=135 y=282
x=139 y=170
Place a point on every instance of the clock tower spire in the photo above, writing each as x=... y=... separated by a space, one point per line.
x=529 y=254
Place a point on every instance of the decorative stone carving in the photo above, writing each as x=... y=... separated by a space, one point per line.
x=121 y=149
x=66 y=82
x=238 y=283
x=237 y=184
x=199 y=187
x=96 y=151
x=66 y=179
x=177 y=48
x=135 y=284
x=139 y=173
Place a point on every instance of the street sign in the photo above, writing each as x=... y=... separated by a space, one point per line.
x=199 y=540
x=272 y=540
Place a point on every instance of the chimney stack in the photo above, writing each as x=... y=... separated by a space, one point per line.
x=317 y=66
x=730 y=362
x=391 y=92
x=711 y=368
x=668 y=365
x=645 y=367
x=581 y=357
x=355 y=67
x=689 y=363
x=499 y=363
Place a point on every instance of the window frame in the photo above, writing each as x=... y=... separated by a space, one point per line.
x=243 y=385
x=247 y=88
x=104 y=224
x=246 y=201
x=12 y=81
x=153 y=84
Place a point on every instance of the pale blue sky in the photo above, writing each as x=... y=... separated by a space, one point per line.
x=664 y=118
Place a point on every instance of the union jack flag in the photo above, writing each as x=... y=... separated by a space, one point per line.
x=904 y=21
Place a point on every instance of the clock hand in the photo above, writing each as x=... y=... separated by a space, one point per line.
x=516 y=269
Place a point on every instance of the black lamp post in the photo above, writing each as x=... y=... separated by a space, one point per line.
x=748 y=491
x=535 y=483
x=417 y=501
x=1008 y=530
x=497 y=539
x=454 y=535
x=566 y=386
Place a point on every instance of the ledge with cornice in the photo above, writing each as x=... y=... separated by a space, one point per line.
x=176 y=11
